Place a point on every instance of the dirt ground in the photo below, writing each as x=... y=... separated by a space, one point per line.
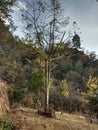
x=28 y=119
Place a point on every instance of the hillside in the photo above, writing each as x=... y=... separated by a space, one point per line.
x=45 y=72
x=21 y=66
x=24 y=118
x=28 y=119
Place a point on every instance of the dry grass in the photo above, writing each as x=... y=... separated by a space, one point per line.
x=27 y=119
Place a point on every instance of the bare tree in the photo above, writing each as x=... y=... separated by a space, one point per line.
x=45 y=27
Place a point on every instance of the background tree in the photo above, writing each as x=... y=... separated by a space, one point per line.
x=5 y=13
x=92 y=91
x=63 y=92
x=37 y=86
x=76 y=38
x=5 y=8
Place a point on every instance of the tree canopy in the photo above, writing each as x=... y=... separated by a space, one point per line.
x=5 y=6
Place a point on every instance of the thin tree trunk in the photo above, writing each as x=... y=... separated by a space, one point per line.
x=46 y=86
x=61 y=105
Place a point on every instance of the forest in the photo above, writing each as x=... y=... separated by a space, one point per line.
x=43 y=70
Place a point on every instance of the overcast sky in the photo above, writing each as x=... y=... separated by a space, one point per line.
x=85 y=13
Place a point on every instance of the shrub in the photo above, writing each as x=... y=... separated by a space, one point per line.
x=6 y=123
x=15 y=95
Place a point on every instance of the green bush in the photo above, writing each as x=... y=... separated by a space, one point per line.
x=6 y=123
x=15 y=95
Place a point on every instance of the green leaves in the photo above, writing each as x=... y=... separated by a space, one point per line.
x=63 y=92
x=92 y=82
x=63 y=89
x=6 y=124
x=92 y=89
x=37 y=83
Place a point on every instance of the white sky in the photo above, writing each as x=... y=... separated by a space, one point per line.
x=85 y=13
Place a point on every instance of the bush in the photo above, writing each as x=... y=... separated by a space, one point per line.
x=6 y=123
x=15 y=95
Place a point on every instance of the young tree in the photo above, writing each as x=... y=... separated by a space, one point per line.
x=37 y=85
x=44 y=27
x=63 y=92
x=92 y=90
